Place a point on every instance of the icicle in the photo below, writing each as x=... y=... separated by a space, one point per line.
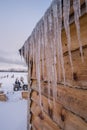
x=47 y=53
x=42 y=51
x=86 y=5
x=76 y=6
x=50 y=47
x=52 y=55
x=32 y=54
x=33 y=50
x=36 y=51
x=46 y=50
x=28 y=53
x=39 y=69
x=21 y=53
x=66 y=12
x=57 y=13
x=30 y=49
x=55 y=18
x=38 y=65
x=59 y=36
x=48 y=58
x=25 y=51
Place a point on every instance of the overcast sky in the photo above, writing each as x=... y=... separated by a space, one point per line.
x=17 y=20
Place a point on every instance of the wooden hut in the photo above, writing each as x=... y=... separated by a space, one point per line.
x=56 y=55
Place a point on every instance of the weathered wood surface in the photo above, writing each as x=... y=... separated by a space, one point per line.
x=72 y=99
x=25 y=95
x=78 y=78
x=3 y=97
x=63 y=117
x=70 y=110
x=41 y=120
x=74 y=40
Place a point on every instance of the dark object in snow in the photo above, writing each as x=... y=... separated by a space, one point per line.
x=18 y=87
x=0 y=85
x=1 y=92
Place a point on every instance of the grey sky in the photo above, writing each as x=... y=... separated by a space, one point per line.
x=17 y=20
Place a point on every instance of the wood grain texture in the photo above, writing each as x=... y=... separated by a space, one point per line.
x=70 y=109
x=59 y=114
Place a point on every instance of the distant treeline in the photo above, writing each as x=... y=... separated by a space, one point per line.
x=19 y=71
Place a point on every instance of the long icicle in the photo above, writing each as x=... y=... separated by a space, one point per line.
x=22 y=52
x=35 y=52
x=58 y=12
x=28 y=58
x=25 y=51
x=66 y=12
x=77 y=13
x=37 y=39
x=55 y=18
x=42 y=51
x=52 y=55
x=33 y=47
x=59 y=35
x=47 y=53
x=39 y=67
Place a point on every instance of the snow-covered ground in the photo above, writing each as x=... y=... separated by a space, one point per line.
x=13 y=113
x=8 y=79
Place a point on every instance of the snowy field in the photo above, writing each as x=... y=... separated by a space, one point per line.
x=13 y=113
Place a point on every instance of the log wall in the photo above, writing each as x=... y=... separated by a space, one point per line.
x=70 y=109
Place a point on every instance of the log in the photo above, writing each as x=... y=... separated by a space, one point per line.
x=74 y=41
x=72 y=99
x=3 y=97
x=75 y=79
x=63 y=117
x=41 y=121
x=25 y=95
